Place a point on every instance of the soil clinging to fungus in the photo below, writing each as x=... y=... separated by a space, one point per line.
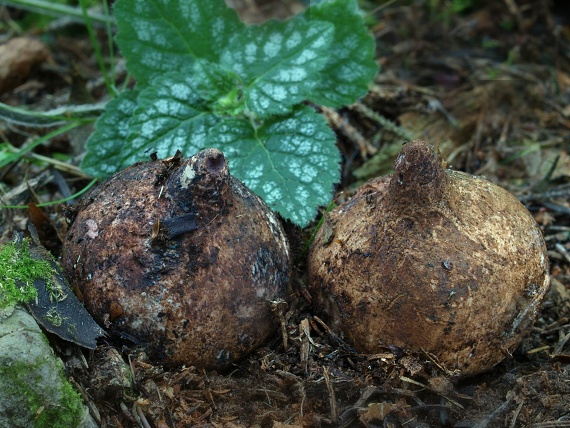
x=431 y=260
x=182 y=257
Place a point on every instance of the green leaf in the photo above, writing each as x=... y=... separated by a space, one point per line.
x=218 y=86
x=105 y=147
x=167 y=115
x=166 y=35
x=279 y=63
x=207 y=80
x=170 y=116
x=351 y=66
x=213 y=81
x=291 y=162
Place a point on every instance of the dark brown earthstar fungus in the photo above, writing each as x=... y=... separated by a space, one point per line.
x=431 y=261
x=182 y=257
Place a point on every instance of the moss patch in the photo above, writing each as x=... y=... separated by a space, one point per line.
x=51 y=409
x=18 y=271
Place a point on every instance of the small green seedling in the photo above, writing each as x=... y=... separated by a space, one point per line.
x=205 y=79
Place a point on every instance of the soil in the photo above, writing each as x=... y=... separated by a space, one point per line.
x=489 y=85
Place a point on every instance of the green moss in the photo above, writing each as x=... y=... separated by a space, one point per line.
x=66 y=416
x=51 y=409
x=55 y=291
x=54 y=317
x=18 y=271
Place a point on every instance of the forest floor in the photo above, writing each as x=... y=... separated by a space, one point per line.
x=489 y=86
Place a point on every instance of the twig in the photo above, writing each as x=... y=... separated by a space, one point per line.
x=141 y=417
x=439 y=366
x=408 y=380
x=562 y=250
x=514 y=10
x=556 y=207
x=381 y=120
x=433 y=406
x=493 y=415
x=126 y=412
x=561 y=344
x=553 y=424
x=558 y=192
x=305 y=336
x=330 y=389
x=516 y=415
x=278 y=308
x=337 y=339
x=303 y=394
x=364 y=396
x=88 y=400
x=38 y=181
x=349 y=131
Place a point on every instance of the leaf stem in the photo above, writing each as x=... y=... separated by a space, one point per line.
x=20 y=153
x=55 y=9
x=59 y=201
x=319 y=224
x=83 y=113
x=96 y=45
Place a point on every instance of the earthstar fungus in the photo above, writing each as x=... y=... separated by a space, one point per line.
x=433 y=260
x=182 y=257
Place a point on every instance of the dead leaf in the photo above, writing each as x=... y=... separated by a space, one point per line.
x=18 y=57
x=56 y=308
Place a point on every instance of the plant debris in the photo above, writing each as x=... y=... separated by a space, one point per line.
x=56 y=307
